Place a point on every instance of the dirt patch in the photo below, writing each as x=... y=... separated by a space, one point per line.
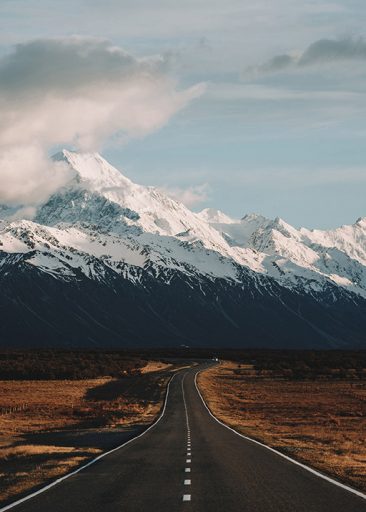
x=319 y=422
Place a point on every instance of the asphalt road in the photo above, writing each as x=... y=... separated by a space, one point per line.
x=190 y=462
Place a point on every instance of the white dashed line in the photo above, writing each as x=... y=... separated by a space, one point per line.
x=187 y=497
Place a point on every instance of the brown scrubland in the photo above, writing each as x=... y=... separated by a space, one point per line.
x=60 y=408
x=52 y=425
x=315 y=413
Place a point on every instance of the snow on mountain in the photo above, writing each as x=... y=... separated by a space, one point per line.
x=101 y=219
x=213 y=216
x=314 y=257
x=148 y=207
x=348 y=239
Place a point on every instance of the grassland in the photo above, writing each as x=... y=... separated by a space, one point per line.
x=320 y=421
x=49 y=427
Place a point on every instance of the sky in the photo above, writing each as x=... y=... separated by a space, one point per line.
x=238 y=105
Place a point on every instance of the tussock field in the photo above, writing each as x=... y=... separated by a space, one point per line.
x=319 y=421
x=49 y=427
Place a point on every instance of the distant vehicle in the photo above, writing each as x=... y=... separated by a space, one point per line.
x=216 y=359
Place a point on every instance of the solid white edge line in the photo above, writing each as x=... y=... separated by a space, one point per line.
x=303 y=466
x=101 y=456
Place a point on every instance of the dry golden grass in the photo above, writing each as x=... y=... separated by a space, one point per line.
x=321 y=423
x=31 y=409
x=27 y=466
x=155 y=366
x=48 y=404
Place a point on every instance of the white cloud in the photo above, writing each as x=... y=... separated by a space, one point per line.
x=189 y=196
x=27 y=177
x=80 y=92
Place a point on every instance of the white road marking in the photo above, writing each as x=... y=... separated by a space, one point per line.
x=187 y=497
x=185 y=403
x=303 y=466
x=101 y=456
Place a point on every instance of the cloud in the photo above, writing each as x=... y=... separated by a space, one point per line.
x=323 y=51
x=189 y=196
x=75 y=91
x=28 y=177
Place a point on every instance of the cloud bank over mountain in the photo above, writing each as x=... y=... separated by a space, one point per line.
x=81 y=92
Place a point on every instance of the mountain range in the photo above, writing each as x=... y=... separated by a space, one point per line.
x=107 y=262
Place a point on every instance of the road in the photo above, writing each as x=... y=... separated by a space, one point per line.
x=189 y=462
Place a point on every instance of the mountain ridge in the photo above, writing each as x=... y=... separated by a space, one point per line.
x=105 y=234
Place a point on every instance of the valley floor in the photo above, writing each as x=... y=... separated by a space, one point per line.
x=320 y=422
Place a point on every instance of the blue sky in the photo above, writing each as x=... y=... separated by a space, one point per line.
x=277 y=123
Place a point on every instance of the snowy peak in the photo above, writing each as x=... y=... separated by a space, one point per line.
x=93 y=169
x=104 y=215
x=213 y=216
x=101 y=195
x=361 y=222
x=254 y=218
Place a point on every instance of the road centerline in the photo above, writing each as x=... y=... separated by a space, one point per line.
x=187 y=497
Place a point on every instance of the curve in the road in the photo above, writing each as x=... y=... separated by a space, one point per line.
x=193 y=462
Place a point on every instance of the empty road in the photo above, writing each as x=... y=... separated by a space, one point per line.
x=189 y=462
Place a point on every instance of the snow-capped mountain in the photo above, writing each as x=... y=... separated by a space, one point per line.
x=105 y=260
x=288 y=254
